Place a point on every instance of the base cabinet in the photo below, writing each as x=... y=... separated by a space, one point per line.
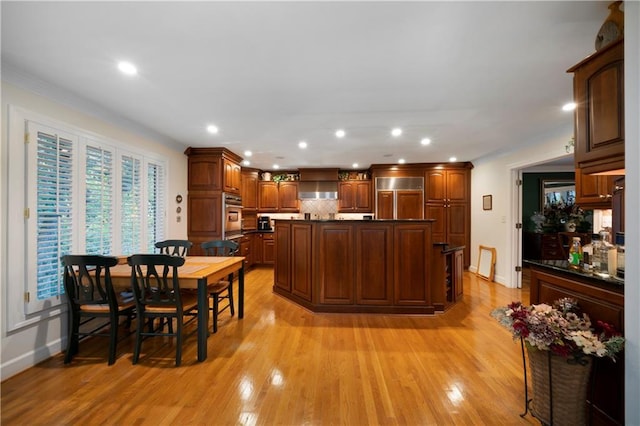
x=602 y=303
x=448 y=269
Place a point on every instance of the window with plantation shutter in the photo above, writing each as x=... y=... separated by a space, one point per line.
x=155 y=204
x=80 y=194
x=130 y=205
x=99 y=187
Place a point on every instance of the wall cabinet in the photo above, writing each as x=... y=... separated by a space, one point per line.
x=211 y=172
x=232 y=180
x=277 y=197
x=354 y=196
x=249 y=190
x=447 y=193
x=594 y=191
x=598 y=90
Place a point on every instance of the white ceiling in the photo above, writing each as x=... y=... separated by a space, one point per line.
x=475 y=77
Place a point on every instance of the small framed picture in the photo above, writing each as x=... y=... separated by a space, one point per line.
x=486 y=202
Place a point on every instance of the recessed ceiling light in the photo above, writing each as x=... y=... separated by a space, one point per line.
x=425 y=141
x=354 y=165
x=401 y=161
x=248 y=153
x=453 y=159
x=127 y=68
x=569 y=106
x=212 y=129
x=246 y=162
x=276 y=167
x=340 y=133
x=396 y=132
x=302 y=144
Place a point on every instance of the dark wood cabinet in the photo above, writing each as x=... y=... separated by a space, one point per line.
x=542 y=246
x=412 y=247
x=264 y=248
x=274 y=197
x=288 y=197
x=602 y=302
x=232 y=180
x=354 y=196
x=447 y=276
x=447 y=193
x=598 y=90
x=374 y=264
x=246 y=244
x=355 y=266
x=336 y=261
x=594 y=191
x=384 y=205
x=301 y=260
x=267 y=196
x=211 y=172
x=249 y=190
x=409 y=205
x=282 y=267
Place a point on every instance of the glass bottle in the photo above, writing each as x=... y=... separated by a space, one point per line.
x=604 y=255
x=575 y=254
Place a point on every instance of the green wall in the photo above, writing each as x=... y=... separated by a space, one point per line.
x=532 y=194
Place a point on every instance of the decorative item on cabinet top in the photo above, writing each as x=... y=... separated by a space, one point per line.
x=613 y=27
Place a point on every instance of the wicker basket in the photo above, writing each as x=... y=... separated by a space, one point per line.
x=568 y=389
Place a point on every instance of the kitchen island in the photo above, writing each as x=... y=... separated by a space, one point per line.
x=376 y=266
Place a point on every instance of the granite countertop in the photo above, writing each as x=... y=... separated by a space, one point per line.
x=563 y=266
x=357 y=220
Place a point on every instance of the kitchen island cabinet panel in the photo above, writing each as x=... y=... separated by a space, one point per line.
x=301 y=266
x=412 y=265
x=282 y=270
x=374 y=264
x=336 y=264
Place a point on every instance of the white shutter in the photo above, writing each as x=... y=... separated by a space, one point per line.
x=130 y=205
x=99 y=187
x=50 y=233
x=156 y=202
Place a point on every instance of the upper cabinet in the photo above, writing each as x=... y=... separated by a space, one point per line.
x=354 y=196
x=249 y=189
x=278 y=197
x=598 y=90
x=232 y=180
x=214 y=169
x=594 y=191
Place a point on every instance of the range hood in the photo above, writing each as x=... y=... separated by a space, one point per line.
x=318 y=190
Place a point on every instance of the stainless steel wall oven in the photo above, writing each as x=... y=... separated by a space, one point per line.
x=232 y=214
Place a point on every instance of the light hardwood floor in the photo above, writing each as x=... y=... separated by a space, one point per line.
x=284 y=365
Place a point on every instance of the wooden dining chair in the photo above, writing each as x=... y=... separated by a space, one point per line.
x=174 y=247
x=91 y=299
x=156 y=287
x=222 y=290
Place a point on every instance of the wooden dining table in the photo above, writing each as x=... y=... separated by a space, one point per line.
x=197 y=272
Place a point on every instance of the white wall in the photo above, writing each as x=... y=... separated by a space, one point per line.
x=495 y=175
x=31 y=344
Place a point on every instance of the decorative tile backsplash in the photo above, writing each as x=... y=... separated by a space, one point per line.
x=318 y=209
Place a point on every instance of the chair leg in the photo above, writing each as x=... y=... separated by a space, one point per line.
x=230 y=293
x=178 y=340
x=139 y=329
x=72 y=339
x=113 y=337
x=215 y=312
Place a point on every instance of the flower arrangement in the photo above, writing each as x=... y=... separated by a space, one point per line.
x=561 y=328
x=561 y=213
